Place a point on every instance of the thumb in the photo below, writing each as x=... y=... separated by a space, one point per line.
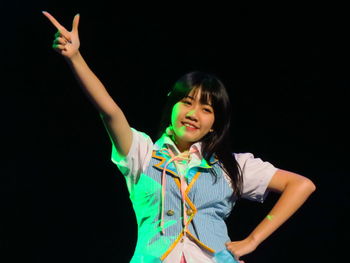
x=75 y=23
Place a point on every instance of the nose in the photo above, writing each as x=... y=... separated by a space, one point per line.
x=192 y=115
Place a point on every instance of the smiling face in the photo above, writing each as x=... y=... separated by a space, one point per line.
x=191 y=119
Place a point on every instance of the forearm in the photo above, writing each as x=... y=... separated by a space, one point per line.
x=67 y=43
x=92 y=86
x=291 y=199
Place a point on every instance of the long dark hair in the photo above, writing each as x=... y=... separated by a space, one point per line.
x=216 y=142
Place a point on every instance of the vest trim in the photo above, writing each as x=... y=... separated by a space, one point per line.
x=172 y=246
x=176 y=178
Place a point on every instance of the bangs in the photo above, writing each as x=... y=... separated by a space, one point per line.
x=207 y=94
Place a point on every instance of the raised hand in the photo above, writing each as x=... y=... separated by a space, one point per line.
x=66 y=42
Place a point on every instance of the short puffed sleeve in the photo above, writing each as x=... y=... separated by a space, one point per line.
x=256 y=176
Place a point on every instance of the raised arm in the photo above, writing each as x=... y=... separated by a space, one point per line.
x=67 y=44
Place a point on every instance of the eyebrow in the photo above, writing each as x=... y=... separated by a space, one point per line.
x=192 y=98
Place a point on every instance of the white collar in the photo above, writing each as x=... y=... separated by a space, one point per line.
x=165 y=141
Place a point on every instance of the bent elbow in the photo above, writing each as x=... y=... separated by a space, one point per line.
x=308 y=185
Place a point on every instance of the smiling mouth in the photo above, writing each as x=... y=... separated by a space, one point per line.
x=190 y=126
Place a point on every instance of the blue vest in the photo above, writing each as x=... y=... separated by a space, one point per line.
x=208 y=202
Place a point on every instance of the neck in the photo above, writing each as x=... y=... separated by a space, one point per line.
x=182 y=146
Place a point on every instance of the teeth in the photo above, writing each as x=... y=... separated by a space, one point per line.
x=189 y=125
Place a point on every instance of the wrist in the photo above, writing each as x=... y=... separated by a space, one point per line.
x=253 y=240
x=74 y=58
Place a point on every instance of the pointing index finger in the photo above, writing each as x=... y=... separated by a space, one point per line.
x=53 y=20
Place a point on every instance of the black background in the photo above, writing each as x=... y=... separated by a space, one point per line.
x=287 y=72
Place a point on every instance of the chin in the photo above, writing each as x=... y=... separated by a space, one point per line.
x=192 y=139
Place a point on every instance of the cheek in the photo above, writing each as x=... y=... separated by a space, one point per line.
x=209 y=122
x=175 y=114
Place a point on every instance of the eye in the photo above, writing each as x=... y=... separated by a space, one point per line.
x=187 y=102
x=207 y=110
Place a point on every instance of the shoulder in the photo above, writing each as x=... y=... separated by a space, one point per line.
x=248 y=162
x=242 y=158
x=137 y=133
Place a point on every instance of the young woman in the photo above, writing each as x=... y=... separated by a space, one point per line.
x=184 y=185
